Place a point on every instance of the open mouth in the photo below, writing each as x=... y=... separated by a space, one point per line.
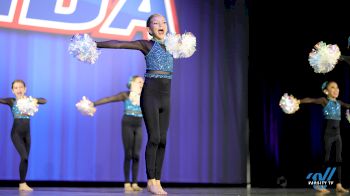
x=161 y=31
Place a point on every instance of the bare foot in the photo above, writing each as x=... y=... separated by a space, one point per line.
x=160 y=187
x=127 y=187
x=340 y=189
x=24 y=187
x=323 y=191
x=153 y=188
x=136 y=187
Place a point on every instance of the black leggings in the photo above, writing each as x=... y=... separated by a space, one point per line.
x=132 y=140
x=20 y=136
x=332 y=136
x=155 y=105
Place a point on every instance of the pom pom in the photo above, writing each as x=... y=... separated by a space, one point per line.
x=188 y=46
x=323 y=57
x=289 y=104
x=180 y=46
x=84 y=48
x=172 y=45
x=27 y=106
x=86 y=107
x=347 y=114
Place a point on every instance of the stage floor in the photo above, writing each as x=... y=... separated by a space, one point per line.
x=45 y=191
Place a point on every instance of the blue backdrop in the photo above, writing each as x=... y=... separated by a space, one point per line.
x=207 y=134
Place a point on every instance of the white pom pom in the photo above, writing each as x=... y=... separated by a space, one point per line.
x=347 y=114
x=289 y=104
x=84 y=48
x=180 y=46
x=171 y=42
x=86 y=107
x=188 y=46
x=323 y=57
x=27 y=106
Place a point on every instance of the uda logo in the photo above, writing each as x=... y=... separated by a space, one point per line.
x=114 y=19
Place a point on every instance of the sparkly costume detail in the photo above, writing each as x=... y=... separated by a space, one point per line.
x=332 y=110
x=158 y=59
x=131 y=109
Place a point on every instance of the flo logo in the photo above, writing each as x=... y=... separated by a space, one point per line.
x=317 y=180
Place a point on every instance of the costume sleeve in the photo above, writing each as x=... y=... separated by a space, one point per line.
x=118 y=97
x=142 y=45
x=322 y=101
x=41 y=100
x=7 y=101
x=345 y=105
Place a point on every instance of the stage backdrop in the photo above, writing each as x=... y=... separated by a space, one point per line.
x=207 y=134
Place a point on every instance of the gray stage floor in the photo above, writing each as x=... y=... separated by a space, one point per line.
x=171 y=191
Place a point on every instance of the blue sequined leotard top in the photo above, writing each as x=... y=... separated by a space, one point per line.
x=16 y=113
x=158 y=59
x=332 y=110
x=131 y=109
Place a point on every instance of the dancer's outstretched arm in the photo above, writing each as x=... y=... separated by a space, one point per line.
x=41 y=100
x=119 y=97
x=7 y=101
x=322 y=101
x=345 y=105
x=345 y=58
x=142 y=45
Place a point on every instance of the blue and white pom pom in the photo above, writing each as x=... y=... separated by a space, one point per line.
x=323 y=57
x=86 y=107
x=180 y=46
x=289 y=104
x=27 y=106
x=84 y=48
